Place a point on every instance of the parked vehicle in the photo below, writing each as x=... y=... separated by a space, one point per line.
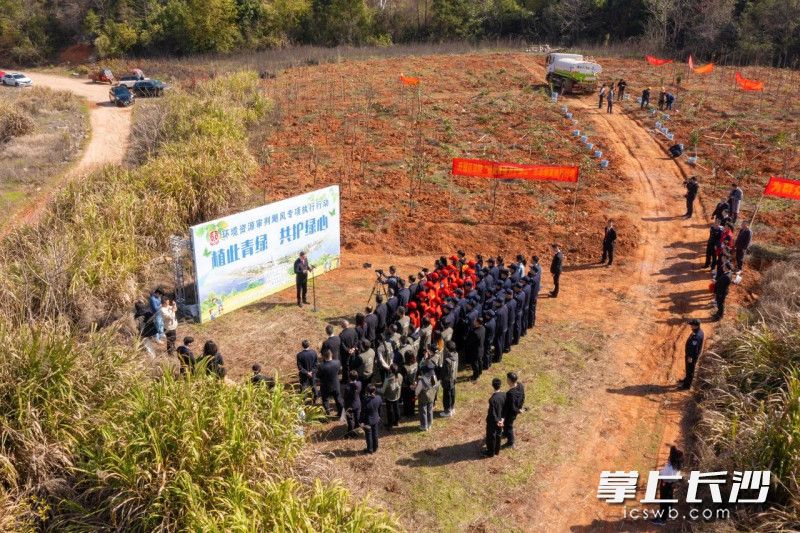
x=103 y=75
x=121 y=96
x=132 y=77
x=149 y=88
x=572 y=73
x=16 y=79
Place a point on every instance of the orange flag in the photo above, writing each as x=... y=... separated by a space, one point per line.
x=705 y=69
x=490 y=169
x=656 y=62
x=409 y=80
x=749 y=85
x=783 y=188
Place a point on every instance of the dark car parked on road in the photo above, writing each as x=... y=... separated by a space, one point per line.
x=149 y=88
x=121 y=96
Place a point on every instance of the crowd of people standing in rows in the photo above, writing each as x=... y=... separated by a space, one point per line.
x=404 y=352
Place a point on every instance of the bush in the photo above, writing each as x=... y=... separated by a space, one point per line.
x=14 y=123
x=750 y=401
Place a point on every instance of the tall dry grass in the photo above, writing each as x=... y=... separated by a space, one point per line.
x=750 y=401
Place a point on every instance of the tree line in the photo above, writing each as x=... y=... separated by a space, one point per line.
x=766 y=31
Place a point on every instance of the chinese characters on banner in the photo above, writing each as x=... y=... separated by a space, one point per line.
x=244 y=257
x=783 y=188
x=618 y=486
x=489 y=169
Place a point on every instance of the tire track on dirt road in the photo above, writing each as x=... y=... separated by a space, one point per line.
x=110 y=129
x=635 y=410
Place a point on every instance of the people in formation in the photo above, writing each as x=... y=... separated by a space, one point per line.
x=402 y=356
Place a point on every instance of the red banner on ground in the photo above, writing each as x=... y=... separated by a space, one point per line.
x=749 y=85
x=489 y=169
x=783 y=188
x=656 y=62
x=409 y=80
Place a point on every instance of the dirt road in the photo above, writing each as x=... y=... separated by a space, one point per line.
x=629 y=424
x=110 y=129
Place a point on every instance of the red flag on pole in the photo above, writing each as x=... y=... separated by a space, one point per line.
x=747 y=84
x=783 y=188
x=490 y=169
x=656 y=62
x=691 y=63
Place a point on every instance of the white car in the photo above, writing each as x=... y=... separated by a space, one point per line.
x=17 y=79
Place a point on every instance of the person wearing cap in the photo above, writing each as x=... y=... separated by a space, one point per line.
x=511 y=305
x=609 y=241
x=301 y=269
x=494 y=419
x=512 y=407
x=519 y=319
x=693 y=350
x=474 y=346
x=490 y=328
x=556 y=266
x=185 y=356
x=536 y=285
x=722 y=283
x=501 y=315
x=692 y=188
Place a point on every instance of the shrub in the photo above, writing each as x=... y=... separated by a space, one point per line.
x=750 y=400
x=14 y=123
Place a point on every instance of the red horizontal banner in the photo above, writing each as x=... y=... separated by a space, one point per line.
x=749 y=85
x=783 y=188
x=656 y=61
x=489 y=169
x=409 y=80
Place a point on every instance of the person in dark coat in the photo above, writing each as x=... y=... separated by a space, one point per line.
x=372 y=418
x=474 y=346
x=722 y=212
x=621 y=85
x=692 y=188
x=494 y=419
x=536 y=286
x=692 y=351
x=645 y=98
x=511 y=305
x=371 y=321
x=609 y=240
x=301 y=269
x=519 y=324
x=186 y=357
x=332 y=344
x=348 y=346
x=352 y=401
x=391 y=307
x=501 y=330
x=328 y=377
x=307 y=369
x=515 y=401
x=735 y=201
x=722 y=284
x=490 y=329
x=742 y=244
x=556 y=266
x=383 y=312
x=403 y=295
x=258 y=378
x=714 y=239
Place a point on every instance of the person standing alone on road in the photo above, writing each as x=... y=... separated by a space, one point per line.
x=722 y=284
x=692 y=188
x=609 y=238
x=301 y=268
x=555 y=268
x=694 y=347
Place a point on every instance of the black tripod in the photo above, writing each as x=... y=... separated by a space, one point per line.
x=377 y=287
